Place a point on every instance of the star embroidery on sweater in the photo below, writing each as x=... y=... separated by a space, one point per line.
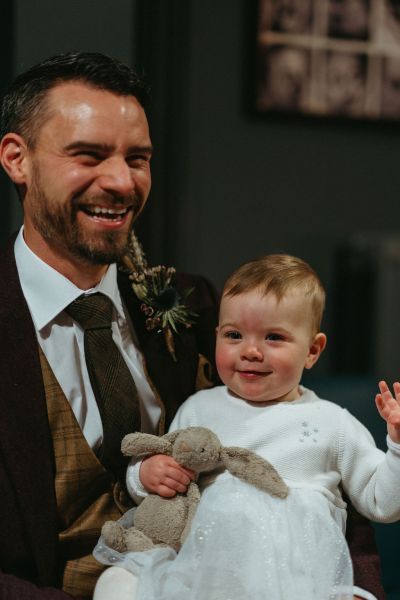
x=308 y=432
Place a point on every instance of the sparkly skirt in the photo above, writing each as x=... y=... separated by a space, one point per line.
x=247 y=545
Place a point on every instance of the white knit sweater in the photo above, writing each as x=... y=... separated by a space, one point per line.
x=311 y=442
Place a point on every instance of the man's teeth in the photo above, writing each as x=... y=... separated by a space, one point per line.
x=97 y=210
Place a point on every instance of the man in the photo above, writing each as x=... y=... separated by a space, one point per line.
x=76 y=145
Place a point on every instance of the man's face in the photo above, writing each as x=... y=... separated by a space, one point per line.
x=88 y=175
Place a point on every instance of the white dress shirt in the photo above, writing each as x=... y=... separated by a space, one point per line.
x=47 y=294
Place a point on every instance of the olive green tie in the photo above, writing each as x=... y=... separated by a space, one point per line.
x=112 y=383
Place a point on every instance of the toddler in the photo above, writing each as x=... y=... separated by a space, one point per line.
x=243 y=543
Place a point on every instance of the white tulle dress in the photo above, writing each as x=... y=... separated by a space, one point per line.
x=246 y=545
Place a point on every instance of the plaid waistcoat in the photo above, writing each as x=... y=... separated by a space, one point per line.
x=87 y=495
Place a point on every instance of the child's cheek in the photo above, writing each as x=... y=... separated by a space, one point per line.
x=223 y=361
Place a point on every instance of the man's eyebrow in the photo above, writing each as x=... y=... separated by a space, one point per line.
x=82 y=144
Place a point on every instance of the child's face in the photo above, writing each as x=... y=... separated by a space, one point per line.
x=263 y=345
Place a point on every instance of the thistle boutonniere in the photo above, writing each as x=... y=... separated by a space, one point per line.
x=163 y=306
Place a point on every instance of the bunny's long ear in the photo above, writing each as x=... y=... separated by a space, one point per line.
x=140 y=445
x=250 y=467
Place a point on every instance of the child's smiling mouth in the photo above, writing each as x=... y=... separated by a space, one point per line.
x=252 y=374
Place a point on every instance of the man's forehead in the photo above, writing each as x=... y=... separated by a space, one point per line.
x=68 y=94
x=92 y=114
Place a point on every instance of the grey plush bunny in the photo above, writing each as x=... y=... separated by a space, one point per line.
x=166 y=521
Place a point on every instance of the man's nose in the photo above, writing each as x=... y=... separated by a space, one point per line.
x=116 y=177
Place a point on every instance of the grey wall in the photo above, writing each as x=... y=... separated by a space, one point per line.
x=44 y=27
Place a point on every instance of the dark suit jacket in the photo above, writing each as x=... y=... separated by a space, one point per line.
x=28 y=516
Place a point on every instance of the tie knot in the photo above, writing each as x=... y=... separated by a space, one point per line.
x=92 y=311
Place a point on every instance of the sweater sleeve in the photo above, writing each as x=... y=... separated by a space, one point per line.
x=371 y=478
x=133 y=483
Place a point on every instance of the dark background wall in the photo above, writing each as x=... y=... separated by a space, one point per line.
x=230 y=184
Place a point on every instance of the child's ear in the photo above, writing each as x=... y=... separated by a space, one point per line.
x=317 y=346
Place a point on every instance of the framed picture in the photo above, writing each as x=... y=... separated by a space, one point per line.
x=329 y=57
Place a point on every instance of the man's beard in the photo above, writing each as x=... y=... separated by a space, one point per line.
x=58 y=225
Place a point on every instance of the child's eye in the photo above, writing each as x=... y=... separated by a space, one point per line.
x=233 y=335
x=274 y=337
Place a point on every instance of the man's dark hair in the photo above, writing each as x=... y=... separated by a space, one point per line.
x=23 y=108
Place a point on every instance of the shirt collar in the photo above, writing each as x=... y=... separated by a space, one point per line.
x=47 y=292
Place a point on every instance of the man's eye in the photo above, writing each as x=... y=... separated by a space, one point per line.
x=89 y=156
x=233 y=335
x=274 y=337
x=137 y=161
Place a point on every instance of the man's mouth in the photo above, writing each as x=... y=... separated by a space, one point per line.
x=109 y=214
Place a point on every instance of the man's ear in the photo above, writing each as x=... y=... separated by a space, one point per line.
x=13 y=155
x=317 y=346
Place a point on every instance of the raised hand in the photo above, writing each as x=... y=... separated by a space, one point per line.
x=162 y=475
x=389 y=409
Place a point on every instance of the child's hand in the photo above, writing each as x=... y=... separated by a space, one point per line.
x=389 y=409
x=162 y=475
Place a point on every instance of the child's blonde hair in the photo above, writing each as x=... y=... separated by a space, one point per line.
x=279 y=274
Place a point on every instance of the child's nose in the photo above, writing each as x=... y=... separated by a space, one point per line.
x=253 y=352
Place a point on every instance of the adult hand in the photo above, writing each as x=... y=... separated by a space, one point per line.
x=162 y=475
x=389 y=409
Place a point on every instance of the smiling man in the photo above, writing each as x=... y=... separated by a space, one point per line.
x=79 y=368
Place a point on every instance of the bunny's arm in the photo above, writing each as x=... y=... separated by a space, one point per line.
x=140 y=445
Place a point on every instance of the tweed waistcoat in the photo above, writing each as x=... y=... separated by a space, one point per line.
x=87 y=495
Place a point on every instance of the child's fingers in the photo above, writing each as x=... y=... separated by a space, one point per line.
x=383 y=387
x=387 y=396
x=385 y=403
x=380 y=404
x=165 y=491
x=172 y=482
x=396 y=388
x=174 y=485
x=191 y=474
x=389 y=408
